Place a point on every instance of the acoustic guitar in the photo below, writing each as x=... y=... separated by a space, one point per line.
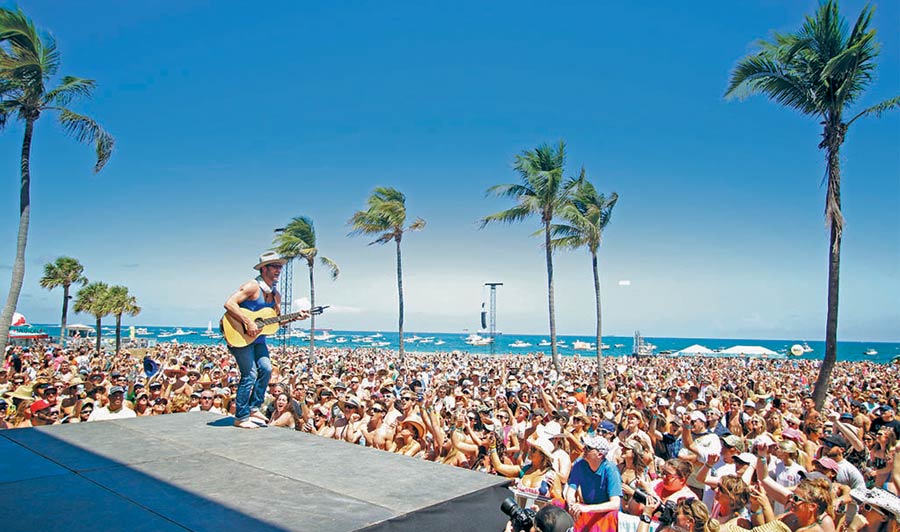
x=265 y=318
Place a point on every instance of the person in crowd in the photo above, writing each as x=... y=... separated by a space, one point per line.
x=116 y=409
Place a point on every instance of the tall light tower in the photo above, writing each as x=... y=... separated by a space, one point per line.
x=493 y=322
x=287 y=290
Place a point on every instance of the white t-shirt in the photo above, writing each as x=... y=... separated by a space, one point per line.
x=103 y=414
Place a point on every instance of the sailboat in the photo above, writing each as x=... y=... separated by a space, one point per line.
x=209 y=332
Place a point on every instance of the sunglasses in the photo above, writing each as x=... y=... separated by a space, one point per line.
x=377 y=411
x=796 y=499
x=204 y=398
x=871 y=508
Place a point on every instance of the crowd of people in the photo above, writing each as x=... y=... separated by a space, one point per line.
x=700 y=444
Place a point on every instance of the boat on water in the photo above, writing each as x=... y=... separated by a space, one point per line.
x=325 y=336
x=340 y=340
x=544 y=343
x=141 y=331
x=807 y=348
x=412 y=339
x=520 y=343
x=618 y=346
x=380 y=344
x=578 y=345
x=476 y=339
x=428 y=340
x=642 y=348
x=870 y=352
x=604 y=346
x=439 y=342
x=177 y=332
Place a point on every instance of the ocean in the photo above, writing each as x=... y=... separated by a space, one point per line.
x=619 y=346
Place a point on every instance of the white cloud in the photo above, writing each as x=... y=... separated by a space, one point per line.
x=625 y=282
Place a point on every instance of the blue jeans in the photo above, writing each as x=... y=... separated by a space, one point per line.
x=256 y=368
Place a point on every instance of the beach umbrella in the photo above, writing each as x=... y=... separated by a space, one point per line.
x=695 y=349
x=796 y=350
x=18 y=320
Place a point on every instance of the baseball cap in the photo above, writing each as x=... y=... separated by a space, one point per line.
x=734 y=442
x=746 y=458
x=663 y=401
x=597 y=442
x=39 y=405
x=828 y=463
x=698 y=415
x=607 y=426
x=835 y=440
x=116 y=389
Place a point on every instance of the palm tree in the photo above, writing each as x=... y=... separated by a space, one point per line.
x=298 y=239
x=385 y=217
x=27 y=62
x=65 y=272
x=820 y=71
x=540 y=192
x=119 y=302
x=586 y=216
x=94 y=299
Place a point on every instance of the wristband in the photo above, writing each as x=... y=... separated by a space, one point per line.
x=757 y=512
x=645 y=518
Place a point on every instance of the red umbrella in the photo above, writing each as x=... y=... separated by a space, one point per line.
x=18 y=320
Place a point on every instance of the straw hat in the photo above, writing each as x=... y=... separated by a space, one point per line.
x=885 y=500
x=269 y=257
x=417 y=424
x=23 y=392
x=543 y=445
x=205 y=381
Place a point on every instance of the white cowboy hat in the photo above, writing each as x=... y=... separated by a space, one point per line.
x=269 y=257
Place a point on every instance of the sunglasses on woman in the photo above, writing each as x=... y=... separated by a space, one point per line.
x=796 y=499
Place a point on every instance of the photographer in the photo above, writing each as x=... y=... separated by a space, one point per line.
x=549 y=519
x=691 y=515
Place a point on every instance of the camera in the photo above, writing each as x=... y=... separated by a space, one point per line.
x=666 y=510
x=522 y=519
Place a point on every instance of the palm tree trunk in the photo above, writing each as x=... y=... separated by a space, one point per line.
x=18 y=271
x=601 y=378
x=98 y=335
x=833 y=201
x=549 y=250
x=312 y=319
x=400 y=294
x=118 y=333
x=65 y=312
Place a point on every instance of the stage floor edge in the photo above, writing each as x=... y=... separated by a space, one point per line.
x=196 y=471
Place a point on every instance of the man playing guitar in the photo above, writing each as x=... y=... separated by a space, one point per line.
x=253 y=359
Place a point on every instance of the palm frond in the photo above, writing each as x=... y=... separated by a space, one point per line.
x=332 y=266
x=511 y=190
x=417 y=225
x=70 y=89
x=878 y=109
x=86 y=130
x=513 y=215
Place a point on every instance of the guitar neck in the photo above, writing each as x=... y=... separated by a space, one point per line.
x=280 y=319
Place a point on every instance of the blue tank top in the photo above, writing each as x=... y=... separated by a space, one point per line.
x=259 y=303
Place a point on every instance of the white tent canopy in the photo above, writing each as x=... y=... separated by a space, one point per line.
x=695 y=349
x=749 y=350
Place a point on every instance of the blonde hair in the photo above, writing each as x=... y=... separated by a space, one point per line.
x=699 y=513
x=737 y=491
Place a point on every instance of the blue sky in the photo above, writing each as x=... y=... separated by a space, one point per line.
x=231 y=119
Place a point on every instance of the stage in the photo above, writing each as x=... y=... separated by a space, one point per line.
x=196 y=472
